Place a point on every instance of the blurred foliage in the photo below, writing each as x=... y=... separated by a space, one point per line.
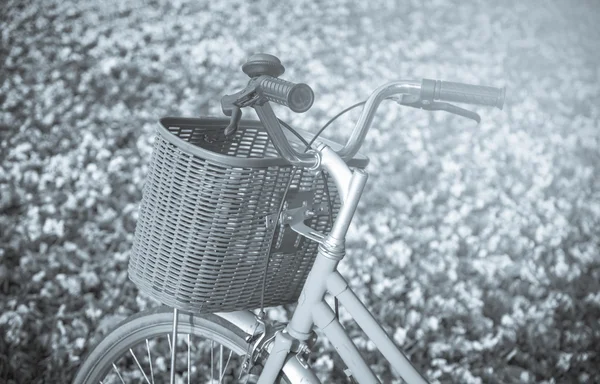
x=477 y=247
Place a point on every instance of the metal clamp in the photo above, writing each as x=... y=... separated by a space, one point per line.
x=258 y=342
x=295 y=219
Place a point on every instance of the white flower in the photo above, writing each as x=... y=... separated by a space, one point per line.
x=507 y=321
x=399 y=253
x=79 y=343
x=437 y=348
x=108 y=64
x=93 y=313
x=69 y=246
x=70 y=283
x=467 y=377
x=561 y=268
x=400 y=336
x=324 y=362
x=38 y=276
x=14 y=322
x=415 y=296
x=54 y=227
x=524 y=377
x=433 y=323
x=412 y=318
x=457 y=189
x=90 y=279
x=564 y=361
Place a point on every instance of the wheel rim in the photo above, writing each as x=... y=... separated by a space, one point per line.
x=139 y=352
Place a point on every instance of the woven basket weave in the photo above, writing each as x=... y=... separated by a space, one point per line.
x=203 y=237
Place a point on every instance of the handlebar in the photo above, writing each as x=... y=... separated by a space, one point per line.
x=286 y=93
x=425 y=92
x=265 y=86
x=297 y=97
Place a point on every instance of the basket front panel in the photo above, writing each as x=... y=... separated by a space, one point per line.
x=201 y=235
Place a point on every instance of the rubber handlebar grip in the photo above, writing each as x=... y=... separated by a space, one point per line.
x=462 y=93
x=297 y=97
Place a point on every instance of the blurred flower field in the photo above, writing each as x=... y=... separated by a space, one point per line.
x=476 y=246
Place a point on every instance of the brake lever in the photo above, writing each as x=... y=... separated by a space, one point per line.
x=236 y=115
x=455 y=110
x=232 y=106
x=439 y=106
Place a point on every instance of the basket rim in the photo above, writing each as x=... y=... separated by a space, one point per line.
x=358 y=161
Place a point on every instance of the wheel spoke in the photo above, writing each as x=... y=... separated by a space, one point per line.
x=139 y=366
x=212 y=360
x=189 y=366
x=174 y=349
x=226 y=364
x=150 y=360
x=118 y=373
x=220 y=362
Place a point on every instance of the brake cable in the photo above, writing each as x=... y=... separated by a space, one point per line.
x=331 y=121
x=323 y=176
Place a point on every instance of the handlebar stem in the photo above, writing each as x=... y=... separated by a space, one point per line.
x=337 y=168
x=361 y=128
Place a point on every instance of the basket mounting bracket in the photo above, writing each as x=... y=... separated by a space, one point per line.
x=299 y=208
x=295 y=219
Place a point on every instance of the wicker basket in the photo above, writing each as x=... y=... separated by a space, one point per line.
x=203 y=237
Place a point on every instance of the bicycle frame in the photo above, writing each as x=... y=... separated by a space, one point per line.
x=324 y=278
x=287 y=347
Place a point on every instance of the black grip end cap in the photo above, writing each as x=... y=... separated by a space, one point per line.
x=300 y=98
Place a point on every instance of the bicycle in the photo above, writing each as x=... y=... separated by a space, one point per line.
x=238 y=215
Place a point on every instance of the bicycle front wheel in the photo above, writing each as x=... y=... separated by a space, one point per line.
x=209 y=350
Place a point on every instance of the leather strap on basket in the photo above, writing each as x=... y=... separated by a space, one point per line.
x=264 y=282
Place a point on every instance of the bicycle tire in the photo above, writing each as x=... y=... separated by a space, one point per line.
x=153 y=323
